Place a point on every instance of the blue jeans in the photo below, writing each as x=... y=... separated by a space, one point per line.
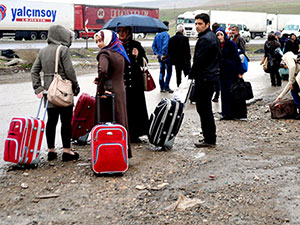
x=164 y=83
x=296 y=99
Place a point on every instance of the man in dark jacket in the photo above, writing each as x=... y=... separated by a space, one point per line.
x=240 y=42
x=180 y=54
x=205 y=71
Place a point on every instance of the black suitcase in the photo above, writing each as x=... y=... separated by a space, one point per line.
x=166 y=120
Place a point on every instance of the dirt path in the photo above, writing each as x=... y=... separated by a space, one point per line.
x=251 y=177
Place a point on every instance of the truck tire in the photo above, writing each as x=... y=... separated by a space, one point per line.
x=43 y=35
x=76 y=36
x=33 y=36
x=253 y=35
x=248 y=39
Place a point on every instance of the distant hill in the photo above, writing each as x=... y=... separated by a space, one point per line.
x=275 y=6
x=170 y=9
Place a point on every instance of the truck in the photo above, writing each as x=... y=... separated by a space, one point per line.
x=279 y=21
x=254 y=22
x=97 y=16
x=31 y=20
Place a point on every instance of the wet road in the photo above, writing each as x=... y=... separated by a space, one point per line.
x=11 y=44
x=19 y=99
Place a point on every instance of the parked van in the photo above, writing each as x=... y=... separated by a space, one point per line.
x=244 y=31
x=292 y=27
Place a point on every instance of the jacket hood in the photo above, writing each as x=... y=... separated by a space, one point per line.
x=59 y=35
x=221 y=29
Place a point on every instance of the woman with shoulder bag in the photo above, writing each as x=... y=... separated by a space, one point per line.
x=45 y=62
x=273 y=59
x=138 y=120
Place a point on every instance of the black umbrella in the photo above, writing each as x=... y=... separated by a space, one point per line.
x=139 y=24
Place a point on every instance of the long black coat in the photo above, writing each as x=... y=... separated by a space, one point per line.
x=230 y=68
x=138 y=121
x=179 y=50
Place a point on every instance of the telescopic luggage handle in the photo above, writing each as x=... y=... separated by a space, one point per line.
x=189 y=91
x=98 y=99
x=40 y=106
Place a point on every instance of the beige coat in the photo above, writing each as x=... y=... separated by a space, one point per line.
x=289 y=59
x=45 y=61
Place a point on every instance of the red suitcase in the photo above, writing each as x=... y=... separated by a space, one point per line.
x=24 y=140
x=83 y=118
x=109 y=145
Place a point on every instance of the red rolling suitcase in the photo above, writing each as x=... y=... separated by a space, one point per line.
x=83 y=118
x=109 y=144
x=24 y=140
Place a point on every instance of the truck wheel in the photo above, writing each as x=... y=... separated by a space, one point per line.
x=252 y=35
x=33 y=36
x=43 y=35
x=247 y=38
x=76 y=36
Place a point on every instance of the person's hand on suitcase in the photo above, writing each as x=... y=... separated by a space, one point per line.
x=106 y=93
x=96 y=81
x=40 y=95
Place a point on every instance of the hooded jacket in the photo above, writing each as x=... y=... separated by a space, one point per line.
x=45 y=61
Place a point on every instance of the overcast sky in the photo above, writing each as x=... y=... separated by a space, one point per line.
x=94 y=2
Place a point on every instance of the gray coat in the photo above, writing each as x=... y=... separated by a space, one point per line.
x=45 y=61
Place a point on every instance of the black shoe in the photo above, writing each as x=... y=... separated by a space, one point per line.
x=135 y=140
x=52 y=156
x=162 y=90
x=225 y=118
x=69 y=157
x=169 y=90
x=204 y=144
x=297 y=117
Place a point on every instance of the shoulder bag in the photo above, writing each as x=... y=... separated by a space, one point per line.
x=60 y=91
x=149 y=83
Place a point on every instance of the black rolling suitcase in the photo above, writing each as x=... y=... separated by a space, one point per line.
x=166 y=120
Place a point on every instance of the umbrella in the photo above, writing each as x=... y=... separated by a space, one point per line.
x=139 y=24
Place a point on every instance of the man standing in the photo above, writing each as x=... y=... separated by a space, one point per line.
x=160 y=49
x=205 y=71
x=240 y=42
x=180 y=54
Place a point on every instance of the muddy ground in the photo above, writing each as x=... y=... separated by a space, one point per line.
x=250 y=177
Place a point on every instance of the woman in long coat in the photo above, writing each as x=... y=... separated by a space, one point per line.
x=45 y=62
x=111 y=60
x=230 y=72
x=138 y=120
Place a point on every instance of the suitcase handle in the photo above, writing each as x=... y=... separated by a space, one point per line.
x=189 y=91
x=45 y=108
x=98 y=99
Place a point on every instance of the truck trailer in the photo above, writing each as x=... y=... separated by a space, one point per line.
x=254 y=21
x=31 y=20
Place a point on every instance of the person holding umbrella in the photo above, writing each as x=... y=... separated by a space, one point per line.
x=160 y=49
x=138 y=121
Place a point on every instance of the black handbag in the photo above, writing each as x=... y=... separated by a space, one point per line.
x=241 y=90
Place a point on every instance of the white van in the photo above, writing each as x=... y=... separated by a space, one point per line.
x=244 y=31
x=292 y=27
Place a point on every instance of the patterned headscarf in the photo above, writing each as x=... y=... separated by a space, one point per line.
x=112 y=42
